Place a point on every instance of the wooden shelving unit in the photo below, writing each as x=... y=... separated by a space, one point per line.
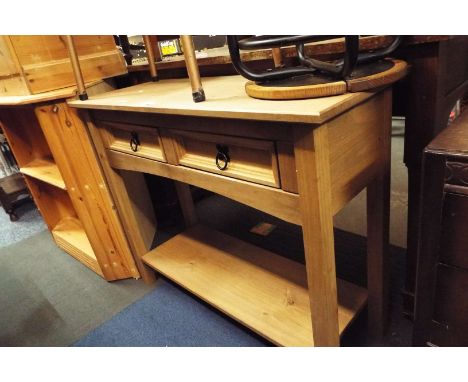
x=60 y=169
x=263 y=291
x=53 y=148
x=45 y=170
x=47 y=185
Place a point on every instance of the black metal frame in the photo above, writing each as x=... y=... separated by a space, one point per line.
x=340 y=69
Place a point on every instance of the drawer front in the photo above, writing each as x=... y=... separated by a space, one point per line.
x=133 y=139
x=253 y=160
x=454 y=238
x=450 y=299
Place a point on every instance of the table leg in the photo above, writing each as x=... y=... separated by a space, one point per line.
x=313 y=177
x=378 y=220
x=186 y=203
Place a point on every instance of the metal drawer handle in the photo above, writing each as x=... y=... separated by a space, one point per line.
x=222 y=157
x=134 y=141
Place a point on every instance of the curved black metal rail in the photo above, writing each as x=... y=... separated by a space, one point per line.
x=340 y=69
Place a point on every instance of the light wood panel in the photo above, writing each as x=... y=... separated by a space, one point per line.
x=45 y=170
x=225 y=98
x=34 y=49
x=71 y=237
x=264 y=291
x=273 y=201
x=57 y=74
x=24 y=135
x=53 y=203
x=355 y=145
x=40 y=63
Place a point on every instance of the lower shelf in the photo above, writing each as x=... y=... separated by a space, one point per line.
x=44 y=170
x=258 y=288
x=71 y=237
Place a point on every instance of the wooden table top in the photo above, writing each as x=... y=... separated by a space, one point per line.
x=225 y=98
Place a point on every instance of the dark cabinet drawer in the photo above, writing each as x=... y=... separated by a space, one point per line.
x=451 y=297
x=454 y=238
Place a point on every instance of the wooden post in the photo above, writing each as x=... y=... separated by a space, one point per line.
x=277 y=57
x=151 y=60
x=192 y=68
x=76 y=68
x=186 y=203
x=378 y=217
x=314 y=184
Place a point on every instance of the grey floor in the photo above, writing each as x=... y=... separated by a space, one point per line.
x=30 y=222
x=49 y=299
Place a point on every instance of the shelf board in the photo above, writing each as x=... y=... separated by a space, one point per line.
x=44 y=170
x=71 y=237
x=262 y=290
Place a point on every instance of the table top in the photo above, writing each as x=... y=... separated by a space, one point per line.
x=225 y=98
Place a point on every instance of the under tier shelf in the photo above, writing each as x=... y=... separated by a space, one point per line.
x=44 y=170
x=263 y=291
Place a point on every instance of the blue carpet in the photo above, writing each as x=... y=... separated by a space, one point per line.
x=167 y=316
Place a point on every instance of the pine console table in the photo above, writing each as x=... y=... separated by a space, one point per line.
x=301 y=161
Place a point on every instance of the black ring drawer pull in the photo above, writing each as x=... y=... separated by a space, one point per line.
x=134 y=141
x=222 y=156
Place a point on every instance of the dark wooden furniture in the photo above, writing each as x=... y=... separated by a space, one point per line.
x=438 y=78
x=441 y=310
x=11 y=188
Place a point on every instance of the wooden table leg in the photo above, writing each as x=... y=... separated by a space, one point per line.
x=378 y=220
x=186 y=203
x=313 y=178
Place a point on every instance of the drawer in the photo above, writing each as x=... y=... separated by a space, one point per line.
x=450 y=298
x=133 y=139
x=454 y=239
x=248 y=159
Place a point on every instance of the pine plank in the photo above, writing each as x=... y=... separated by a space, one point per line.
x=225 y=98
x=45 y=170
x=71 y=237
x=262 y=290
